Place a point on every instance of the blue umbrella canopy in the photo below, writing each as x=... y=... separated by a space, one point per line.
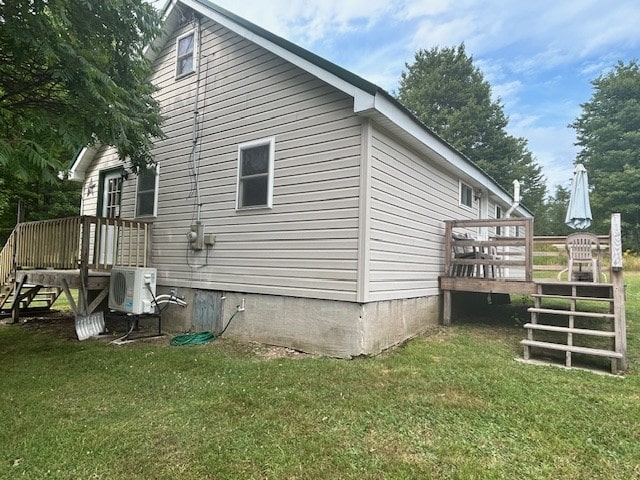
x=579 y=212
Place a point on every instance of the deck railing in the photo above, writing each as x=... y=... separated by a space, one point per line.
x=507 y=250
x=6 y=258
x=499 y=249
x=82 y=242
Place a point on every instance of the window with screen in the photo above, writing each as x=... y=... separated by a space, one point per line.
x=255 y=174
x=147 y=191
x=466 y=195
x=185 y=54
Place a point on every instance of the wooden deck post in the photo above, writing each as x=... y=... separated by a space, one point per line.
x=446 y=308
x=17 y=292
x=446 y=294
x=618 y=291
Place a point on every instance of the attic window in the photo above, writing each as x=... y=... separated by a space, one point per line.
x=185 y=54
x=255 y=174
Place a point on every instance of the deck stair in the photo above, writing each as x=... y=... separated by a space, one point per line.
x=574 y=318
x=36 y=298
x=7 y=268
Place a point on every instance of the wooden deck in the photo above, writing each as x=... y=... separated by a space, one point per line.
x=75 y=253
x=504 y=257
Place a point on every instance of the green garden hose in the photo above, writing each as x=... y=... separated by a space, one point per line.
x=199 y=338
x=195 y=338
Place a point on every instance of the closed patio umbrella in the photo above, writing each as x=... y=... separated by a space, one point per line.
x=579 y=212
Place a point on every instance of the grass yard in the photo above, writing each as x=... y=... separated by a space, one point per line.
x=453 y=404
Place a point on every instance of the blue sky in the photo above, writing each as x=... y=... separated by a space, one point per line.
x=539 y=56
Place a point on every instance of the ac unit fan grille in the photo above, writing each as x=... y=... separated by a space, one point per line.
x=119 y=287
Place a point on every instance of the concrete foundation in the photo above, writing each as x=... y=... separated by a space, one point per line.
x=324 y=327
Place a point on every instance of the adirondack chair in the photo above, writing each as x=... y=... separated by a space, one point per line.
x=583 y=248
x=463 y=252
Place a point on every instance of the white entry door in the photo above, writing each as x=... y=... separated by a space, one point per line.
x=111 y=197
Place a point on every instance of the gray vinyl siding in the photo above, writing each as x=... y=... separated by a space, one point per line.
x=108 y=159
x=307 y=244
x=410 y=199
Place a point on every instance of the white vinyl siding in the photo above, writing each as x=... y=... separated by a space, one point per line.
x=410 y=199
x=307 y=245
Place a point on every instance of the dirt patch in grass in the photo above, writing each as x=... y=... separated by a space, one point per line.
x=61 y=324
x=56 y=323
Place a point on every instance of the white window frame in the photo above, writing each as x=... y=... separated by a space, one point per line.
x=156 y=167
x=194 y=53
x=270 y=172
x=461 y=189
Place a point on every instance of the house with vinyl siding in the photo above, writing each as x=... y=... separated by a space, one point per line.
x=290 y=189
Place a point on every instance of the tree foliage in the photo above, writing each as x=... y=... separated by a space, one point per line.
x=448 y=93
x=551 y=221
x=73 y=72
x=608 y=132
x=41 y=199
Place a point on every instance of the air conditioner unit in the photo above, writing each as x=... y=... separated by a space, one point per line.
x=132 y=290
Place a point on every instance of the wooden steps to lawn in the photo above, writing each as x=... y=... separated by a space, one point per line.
x=571 y=317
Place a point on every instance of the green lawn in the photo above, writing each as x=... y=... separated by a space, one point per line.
x=452 y=404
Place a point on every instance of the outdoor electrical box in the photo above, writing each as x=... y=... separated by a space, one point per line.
x=196 y=236
x=209 y=239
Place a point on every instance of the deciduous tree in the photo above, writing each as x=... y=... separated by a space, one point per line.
x=73 y=72
x=449 y=94
x=608 y=132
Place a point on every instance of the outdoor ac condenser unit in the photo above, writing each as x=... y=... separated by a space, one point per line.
x=132 y=289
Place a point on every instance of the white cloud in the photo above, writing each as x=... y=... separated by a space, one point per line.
x=553 y=146
x=410 y=9
x=507 y=92
x=433 y=33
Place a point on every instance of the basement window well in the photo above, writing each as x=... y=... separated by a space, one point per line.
x=255 y=174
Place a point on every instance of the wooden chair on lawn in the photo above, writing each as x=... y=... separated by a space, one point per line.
x=583 y=248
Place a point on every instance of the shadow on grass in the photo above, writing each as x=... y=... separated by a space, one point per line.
x=496 y=311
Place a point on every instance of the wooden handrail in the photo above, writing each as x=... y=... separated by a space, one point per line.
x=84 y=242
x=7 y=256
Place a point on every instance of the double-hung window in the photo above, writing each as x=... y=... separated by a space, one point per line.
x=147 y=191
x=186 y=54
x=255 y=174
x=466 y=195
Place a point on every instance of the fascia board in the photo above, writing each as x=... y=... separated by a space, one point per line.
x=78 y=170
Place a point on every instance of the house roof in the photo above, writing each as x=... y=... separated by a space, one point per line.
x=369 y=99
